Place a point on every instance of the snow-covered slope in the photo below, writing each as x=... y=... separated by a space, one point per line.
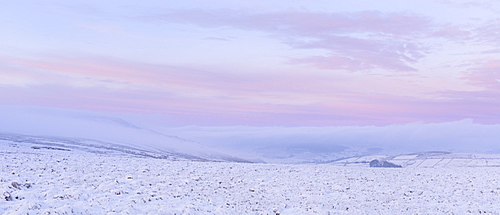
x=67 y=128
x=54 y=181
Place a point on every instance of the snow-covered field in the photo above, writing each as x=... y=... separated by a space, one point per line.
x=47 y=180
x=429 y=160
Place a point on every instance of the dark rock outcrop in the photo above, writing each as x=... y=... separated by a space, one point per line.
x=377 y=163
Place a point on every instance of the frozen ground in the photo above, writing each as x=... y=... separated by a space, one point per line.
x=48 y=180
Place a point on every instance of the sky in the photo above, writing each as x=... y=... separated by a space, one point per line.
x=256 y=63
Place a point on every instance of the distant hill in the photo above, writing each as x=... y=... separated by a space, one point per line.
x=89 y=131
x=429 y=159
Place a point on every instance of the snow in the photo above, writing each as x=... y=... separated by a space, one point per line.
x=44 y=180
x=428 y=160
x=97 y=130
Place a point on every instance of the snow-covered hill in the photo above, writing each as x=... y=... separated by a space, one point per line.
x=100 y=133
x=47 y=179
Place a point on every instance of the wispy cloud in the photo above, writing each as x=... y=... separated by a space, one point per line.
x=482 y=4
x=217 y=38
x=488 y=33
x=354 y=41
x=486 y=74
x=305 y=67
x=206 y=97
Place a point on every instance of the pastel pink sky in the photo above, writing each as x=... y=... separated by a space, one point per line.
x=266 y=63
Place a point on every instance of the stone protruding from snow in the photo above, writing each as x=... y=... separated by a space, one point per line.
x=377 y=163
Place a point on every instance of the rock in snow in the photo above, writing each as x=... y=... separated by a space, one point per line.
x=44 y=181
x=377 y=163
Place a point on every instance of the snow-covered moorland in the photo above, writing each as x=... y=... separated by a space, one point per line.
x=51 y=180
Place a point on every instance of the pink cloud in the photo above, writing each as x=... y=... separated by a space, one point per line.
x=187 y=96
x=486 y=75
x=353 y=41
x=357 y=37
x=173 y=109
x=100 y=71
x=480 y=105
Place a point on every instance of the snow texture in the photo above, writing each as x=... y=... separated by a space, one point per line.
x=47 y=180
x=97 y=132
